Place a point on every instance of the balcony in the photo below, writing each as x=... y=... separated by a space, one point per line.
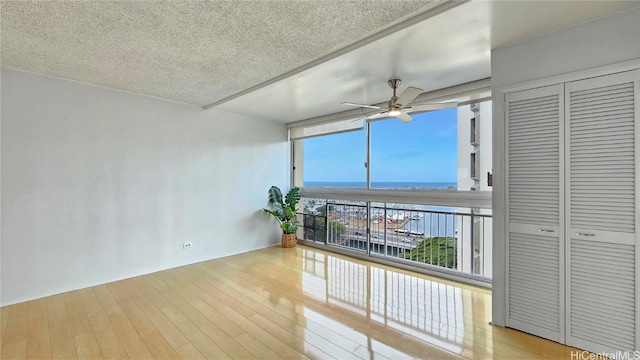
x=445 y=239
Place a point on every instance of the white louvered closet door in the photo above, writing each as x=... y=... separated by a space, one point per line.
x=535 y=251
x=602 y=213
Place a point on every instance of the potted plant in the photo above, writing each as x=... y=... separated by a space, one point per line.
x=284 y=209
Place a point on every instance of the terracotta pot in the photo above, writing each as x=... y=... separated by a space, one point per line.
x=289 y=240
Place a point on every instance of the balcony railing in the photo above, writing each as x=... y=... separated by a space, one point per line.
x=451 y=239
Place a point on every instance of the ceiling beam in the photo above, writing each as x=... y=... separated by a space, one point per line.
x=435 y=8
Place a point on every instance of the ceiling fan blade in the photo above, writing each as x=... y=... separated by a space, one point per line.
x=405 y=117
x=408 y=96
x=361 y=105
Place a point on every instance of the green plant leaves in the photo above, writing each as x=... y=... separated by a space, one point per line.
x=337 y=228
x=293 y=196
x=289 y=228
x=289 y=214
x=275 y=196
x=279 y=214
x=441 y=251
x=284 y=210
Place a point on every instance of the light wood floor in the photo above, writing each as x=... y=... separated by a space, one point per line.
x=269 y=304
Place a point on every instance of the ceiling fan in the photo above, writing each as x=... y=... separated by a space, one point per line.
x=397 y=106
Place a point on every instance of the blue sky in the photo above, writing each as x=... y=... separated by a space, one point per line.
x=424 y=150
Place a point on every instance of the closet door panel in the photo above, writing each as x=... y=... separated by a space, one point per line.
x=534 y=285
x=602 y=212
x=535 y=275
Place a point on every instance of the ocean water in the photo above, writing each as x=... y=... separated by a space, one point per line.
x=383 y=185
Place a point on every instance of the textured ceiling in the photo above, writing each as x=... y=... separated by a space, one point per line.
x=288 y=59
x=447 y=49
x=195 y=52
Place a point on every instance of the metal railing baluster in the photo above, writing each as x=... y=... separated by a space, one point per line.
x=417 y=237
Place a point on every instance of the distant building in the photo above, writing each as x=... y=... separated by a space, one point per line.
x=474 y=233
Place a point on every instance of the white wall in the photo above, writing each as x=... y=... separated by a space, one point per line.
x=602 y=42
x=100 y=185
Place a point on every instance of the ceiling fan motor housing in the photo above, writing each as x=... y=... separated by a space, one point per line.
x=394 y=83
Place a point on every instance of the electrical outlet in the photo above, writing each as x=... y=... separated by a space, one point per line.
x=187 y=245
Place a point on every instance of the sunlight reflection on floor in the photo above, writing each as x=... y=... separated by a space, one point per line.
x=409 y=305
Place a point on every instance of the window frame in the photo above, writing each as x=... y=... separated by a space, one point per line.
x=466 y=94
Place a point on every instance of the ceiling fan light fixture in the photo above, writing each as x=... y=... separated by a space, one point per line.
x=394 y=112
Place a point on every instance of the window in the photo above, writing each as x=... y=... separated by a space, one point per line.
x=421 y=154
x=474 y=166
x=438 y=150
x=335 y=160
x=473 y=131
